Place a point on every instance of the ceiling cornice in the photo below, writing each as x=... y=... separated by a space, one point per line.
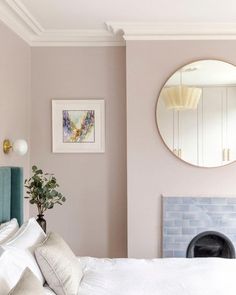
x=14 y=20
x=15 y=15
x=173 y=31
x=77 y=38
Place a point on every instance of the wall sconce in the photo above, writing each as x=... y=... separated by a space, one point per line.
x=20 y=146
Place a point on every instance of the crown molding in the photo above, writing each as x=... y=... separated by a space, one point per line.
x=15 y=21
x=173 y=31
x=15 y=15
x=25 y=16
x=77 y=38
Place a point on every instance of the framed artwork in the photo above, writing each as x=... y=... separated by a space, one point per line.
x=78 y=126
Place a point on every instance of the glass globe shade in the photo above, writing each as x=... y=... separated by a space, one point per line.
x=20 y=147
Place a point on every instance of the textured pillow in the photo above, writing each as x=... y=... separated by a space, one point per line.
x=27 y=285
x=59 y=265
x=22 y=245
x=8 y=229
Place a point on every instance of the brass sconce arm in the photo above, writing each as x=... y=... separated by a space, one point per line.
x=7 y=146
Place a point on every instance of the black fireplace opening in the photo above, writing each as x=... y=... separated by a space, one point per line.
x=211 y=244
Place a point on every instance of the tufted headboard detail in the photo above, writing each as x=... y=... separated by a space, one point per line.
x=11 y=194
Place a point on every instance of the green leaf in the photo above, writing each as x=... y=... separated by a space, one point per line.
x=39 y=171
x=34 y=168
x=41 y=189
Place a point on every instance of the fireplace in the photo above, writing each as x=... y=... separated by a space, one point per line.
x=187 y=221
x=210 y=244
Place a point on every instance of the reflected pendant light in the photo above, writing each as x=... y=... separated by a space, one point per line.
x=181 y=97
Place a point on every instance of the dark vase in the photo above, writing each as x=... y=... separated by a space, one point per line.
x=42 y=222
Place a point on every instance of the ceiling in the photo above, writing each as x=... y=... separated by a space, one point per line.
x=103 y=22
x=92 y=14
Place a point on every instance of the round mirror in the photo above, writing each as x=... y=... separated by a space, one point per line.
x=196 y=113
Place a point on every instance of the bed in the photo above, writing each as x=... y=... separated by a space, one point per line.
x=169 y=276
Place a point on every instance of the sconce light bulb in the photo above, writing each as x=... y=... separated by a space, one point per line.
x=20 y=147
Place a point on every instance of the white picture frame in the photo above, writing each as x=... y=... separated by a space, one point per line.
x=78 y=126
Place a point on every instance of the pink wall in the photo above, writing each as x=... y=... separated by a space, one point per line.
x=152 y=169
x=14 y=95
x=93 y=220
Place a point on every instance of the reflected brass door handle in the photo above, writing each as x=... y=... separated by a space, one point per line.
x=228 y=155
x=178 y=152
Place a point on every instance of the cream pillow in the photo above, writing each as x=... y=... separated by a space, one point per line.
x=27 y=285
x=59 y=265
x=8 y=229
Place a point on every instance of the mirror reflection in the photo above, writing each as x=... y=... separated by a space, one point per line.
x=196 y=113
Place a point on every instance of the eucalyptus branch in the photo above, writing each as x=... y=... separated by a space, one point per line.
x=41 y=190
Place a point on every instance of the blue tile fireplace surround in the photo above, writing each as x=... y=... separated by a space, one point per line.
x=186 y=217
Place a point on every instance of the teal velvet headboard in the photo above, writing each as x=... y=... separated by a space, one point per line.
x=11 y=194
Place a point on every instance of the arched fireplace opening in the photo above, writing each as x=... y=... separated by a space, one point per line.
x=210 y=244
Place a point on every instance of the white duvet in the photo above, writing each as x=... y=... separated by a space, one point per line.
x=171 y=276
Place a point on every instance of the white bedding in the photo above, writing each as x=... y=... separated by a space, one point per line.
x=173 y=276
